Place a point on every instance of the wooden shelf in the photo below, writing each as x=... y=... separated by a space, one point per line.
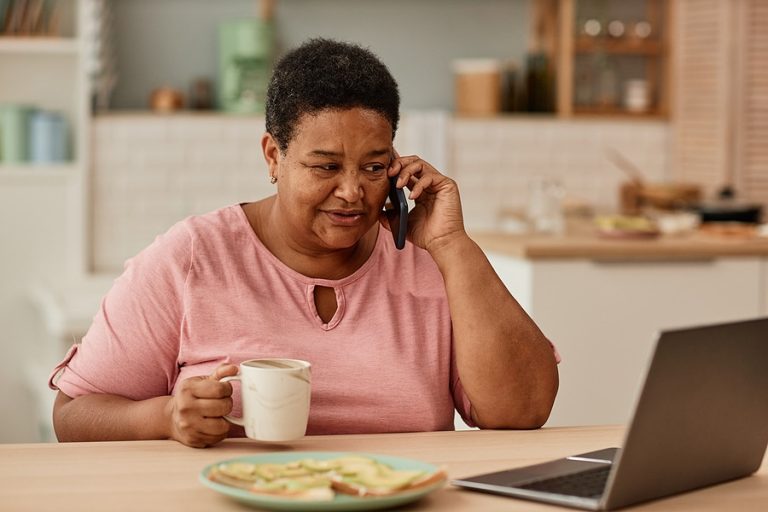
x=627 y=58
x=618 y=46
x=616 y=112
x=38 y=45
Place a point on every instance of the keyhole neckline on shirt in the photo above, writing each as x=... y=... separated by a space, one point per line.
x=334 y=319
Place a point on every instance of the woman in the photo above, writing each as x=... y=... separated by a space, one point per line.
x=396 y=339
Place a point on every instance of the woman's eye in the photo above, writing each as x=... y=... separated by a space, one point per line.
x=374 y=168
x=326 y=167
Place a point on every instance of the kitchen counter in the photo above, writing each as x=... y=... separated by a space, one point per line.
x=588 y=245
x=603 y=302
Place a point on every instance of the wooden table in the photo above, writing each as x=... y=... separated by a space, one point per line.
x=162 y=475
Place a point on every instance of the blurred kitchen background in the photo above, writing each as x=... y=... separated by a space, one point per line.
x=612 y=157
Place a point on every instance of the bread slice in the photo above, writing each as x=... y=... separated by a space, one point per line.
x=357 y=488
x=283 y=488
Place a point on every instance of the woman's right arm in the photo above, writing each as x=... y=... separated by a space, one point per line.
x=192 y=416
x=110 y=418
x=116 y=384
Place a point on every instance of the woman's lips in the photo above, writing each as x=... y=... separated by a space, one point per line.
x=345 y=217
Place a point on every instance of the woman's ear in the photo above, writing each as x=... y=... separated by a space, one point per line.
x=271 y=153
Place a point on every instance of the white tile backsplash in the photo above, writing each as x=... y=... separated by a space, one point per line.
x=509 y=153
x=151 y=171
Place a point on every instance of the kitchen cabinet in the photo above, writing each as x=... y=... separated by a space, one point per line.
x=605 y=311
x=612 y=58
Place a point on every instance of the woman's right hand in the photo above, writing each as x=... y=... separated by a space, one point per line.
x=197 y=408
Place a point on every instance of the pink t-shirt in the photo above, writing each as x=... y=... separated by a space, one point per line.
x=209 y=292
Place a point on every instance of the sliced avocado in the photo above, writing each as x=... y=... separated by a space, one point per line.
x=395 y=480
x=241 y=470
x=350 y=466
x=317 y=466
x=383 y=469
x=307 y=482
x=293 y=472
x=268 y=471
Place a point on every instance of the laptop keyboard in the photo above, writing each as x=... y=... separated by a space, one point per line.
x=585 y=484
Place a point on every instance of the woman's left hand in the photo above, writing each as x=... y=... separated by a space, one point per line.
x=436 y=218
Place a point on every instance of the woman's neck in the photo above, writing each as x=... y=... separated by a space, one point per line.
x=318 y=263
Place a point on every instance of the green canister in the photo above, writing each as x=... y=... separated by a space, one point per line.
x=14 y=129
x=245 y=64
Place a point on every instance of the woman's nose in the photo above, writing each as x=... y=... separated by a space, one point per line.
x=349 y=187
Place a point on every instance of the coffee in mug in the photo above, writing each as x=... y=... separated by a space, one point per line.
x=275 y=394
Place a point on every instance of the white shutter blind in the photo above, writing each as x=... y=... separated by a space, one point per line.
x=752 y=142
x=701 y=110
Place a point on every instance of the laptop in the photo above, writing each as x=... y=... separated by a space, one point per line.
x=701 y=419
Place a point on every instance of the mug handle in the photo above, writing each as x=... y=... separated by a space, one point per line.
x=232 y=419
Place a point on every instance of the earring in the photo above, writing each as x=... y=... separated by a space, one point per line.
x=273 y=179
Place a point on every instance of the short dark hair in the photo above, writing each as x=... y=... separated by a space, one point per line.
x=326 y=74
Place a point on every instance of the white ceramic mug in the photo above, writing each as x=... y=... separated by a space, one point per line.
x=275 y=396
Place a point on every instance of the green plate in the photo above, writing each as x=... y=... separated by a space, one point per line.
x=340 y=502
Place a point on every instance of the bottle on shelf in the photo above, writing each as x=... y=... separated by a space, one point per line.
x=607 y=97
x=539 y=82
x=637 y=96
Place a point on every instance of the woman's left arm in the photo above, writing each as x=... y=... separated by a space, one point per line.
x=506 y=365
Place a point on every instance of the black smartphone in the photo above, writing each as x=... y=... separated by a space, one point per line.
x=397 y=213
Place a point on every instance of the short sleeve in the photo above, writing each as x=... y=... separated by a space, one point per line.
x=131 y=348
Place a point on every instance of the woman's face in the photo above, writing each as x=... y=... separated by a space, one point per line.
x=332 y=179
